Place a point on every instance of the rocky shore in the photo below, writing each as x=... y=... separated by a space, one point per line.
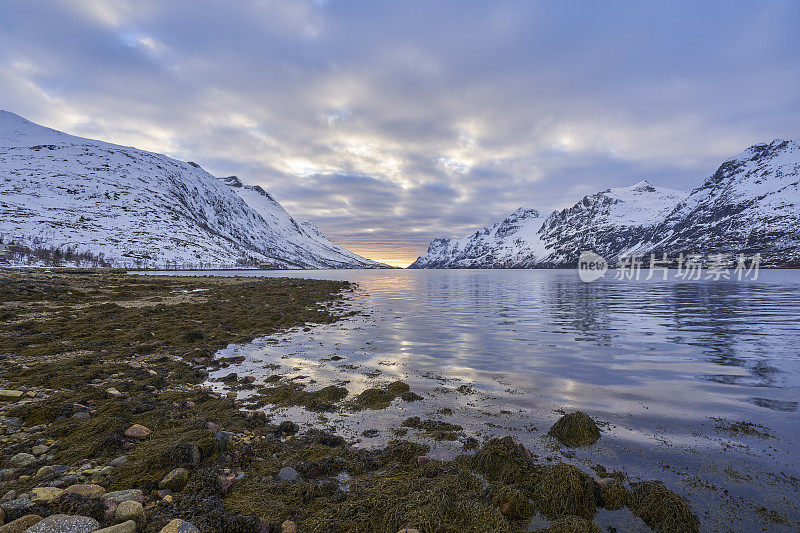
x=105 y=425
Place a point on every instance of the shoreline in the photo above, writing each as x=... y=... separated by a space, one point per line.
x=237 y=461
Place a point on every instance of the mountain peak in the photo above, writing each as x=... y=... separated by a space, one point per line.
x=643 y=186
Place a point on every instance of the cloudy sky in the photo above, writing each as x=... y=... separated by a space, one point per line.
x=390 y=123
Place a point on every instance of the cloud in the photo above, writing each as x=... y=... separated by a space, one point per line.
x=392 y=123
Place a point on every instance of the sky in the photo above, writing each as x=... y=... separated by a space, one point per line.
x=391 y=123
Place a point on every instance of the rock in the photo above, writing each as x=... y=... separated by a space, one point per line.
x=130 y=510
x=119 y=461
x=422 y=460
x=125 y=527
x=45 y=472
x=2 y=517
x=45 y=494
x=120 y=496
x=22 y=459
x=179 y=526
x=7 y=474
x=225 y=482
x=221 y=440
x=61 y=523
x=10 y=395
x=89 y=490
x=575 y=429
x=21 y=524
x=138 y=431
x=288 y=473
x=288 y=527
x=113 y=393
x=16 y=508
x=175 y=480
x=40 y=449
x=82 y=415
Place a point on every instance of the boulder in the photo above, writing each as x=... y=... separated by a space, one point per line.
x=45 y=494
x=88 y=490
x=21 y=524
x=130 y=510
x=22 y=459
x=10 y=395
x=61 y=523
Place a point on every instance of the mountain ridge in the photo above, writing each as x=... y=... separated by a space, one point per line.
x=750 y=205
x=138 y=209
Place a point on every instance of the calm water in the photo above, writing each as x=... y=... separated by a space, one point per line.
x=652 y=361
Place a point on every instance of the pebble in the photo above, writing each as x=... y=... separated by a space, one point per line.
x=288 y=527
x=90 y=490
x=45 y=494
x=423 y=460
x=179 y=526
x=21 y=524
x=40 y=449
x=130 y=510
x=22 y=459
x=113 y=393
x=175 y=480
x=125 y=527
x=45 y=472
x=288 y=473
x=138 y=431
x=61 y=523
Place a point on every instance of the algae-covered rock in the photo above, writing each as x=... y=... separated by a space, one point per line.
x=175 y=480
x=575 y=429
x=661 y=509
x=512 y=502
x=614 y=495
x=436 y=429
x=572 y=524
x=374 y=399
x=562 y=490
x=504 y=460
x=10 y=395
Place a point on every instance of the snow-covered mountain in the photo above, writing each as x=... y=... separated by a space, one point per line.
x=750 y=205
x=136 y=208
x=511 y=243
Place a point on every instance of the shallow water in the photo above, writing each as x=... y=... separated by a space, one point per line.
x=653 y=361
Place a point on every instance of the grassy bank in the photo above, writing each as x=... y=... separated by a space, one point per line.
x=105 y=371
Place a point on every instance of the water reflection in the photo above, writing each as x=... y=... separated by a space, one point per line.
x=654 y=361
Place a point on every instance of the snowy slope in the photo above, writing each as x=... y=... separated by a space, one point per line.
x=513 y=242
x=609 y=222
x=308 y=242
x=750 y=205
x=136 y=208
